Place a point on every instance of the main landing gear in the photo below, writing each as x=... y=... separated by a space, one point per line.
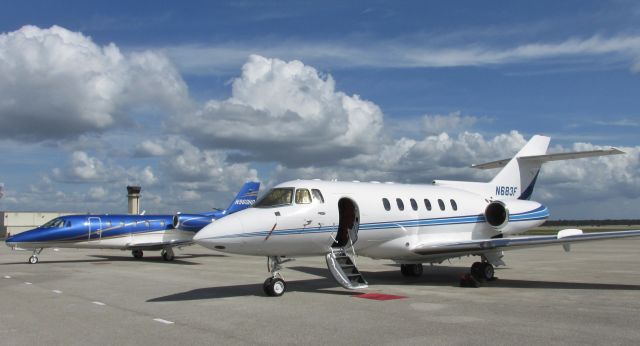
x=34 y=257
x=480 y=272
x=167 y=254
x=411 y=270
x=137 y=253
x=275 y=285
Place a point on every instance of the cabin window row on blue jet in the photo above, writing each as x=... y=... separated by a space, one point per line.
x=414 y=205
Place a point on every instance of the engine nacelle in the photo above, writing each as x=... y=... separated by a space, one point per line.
x=191 y=222
x=515 y=216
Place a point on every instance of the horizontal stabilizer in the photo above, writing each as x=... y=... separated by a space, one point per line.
x=551 y=157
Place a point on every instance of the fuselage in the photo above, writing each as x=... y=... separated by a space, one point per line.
x=381 y=220
x=103 y=231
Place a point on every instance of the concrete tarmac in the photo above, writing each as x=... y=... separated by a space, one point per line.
x=590 y=296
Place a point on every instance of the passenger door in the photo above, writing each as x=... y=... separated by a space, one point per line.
x=94 y=229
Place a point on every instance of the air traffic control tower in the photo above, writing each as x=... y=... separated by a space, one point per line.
x=133 y=197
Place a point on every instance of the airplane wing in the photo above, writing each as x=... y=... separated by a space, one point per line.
x=483 y=245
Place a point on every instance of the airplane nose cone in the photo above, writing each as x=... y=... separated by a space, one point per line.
x=221 y=234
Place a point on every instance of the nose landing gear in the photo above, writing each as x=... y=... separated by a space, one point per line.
x=275 y=285
x=34 y=257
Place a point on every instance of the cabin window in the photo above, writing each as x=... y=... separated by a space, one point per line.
x=454 y=205
x=317 y=195
x=162 y=224
x=386 y=204
x=441 y=204
x=276 y=197
x=146 y=224
x=427 y=204
x=121 y=223
x=67 y=224
x=303 y=196
x=414 y=204
x=108 y=223
x=400 y=203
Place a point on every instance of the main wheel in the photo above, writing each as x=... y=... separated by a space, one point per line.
x=33 y=259
x=477 y=271
x=167 y=255
x=404 y=270
x=415 y=270
x=274 y=287
x=487 y=271
x=411 y=270
x=137 y=253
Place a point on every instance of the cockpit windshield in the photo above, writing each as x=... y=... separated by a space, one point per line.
x=55 y=223
x=275 y=197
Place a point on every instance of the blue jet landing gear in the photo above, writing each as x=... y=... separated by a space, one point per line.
x=167 y=253
x=137 y=253
x=34 y=257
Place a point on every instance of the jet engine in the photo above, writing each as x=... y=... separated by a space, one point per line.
x=191 y=222
x=515 y=216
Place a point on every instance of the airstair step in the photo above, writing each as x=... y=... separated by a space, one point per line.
x=344 y=270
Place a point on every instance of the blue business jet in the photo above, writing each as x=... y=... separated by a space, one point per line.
x=126 y=232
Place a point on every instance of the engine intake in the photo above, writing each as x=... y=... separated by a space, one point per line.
x=514 y=216
x=191 y=222
x=497 y=214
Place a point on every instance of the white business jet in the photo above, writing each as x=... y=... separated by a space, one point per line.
x=408 y=224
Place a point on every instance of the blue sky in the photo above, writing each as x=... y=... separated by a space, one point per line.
x=181 y=73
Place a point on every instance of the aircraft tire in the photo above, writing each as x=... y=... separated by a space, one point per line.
x=137 y=253
x=274 y=287
x=411 y=270
x=477 y=271
x=33 y=259
x=488 y=273
x=266 y=285
x=403 y=270
x=167 y=255
x=415 y=270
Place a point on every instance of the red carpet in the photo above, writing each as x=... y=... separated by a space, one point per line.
x=379 y=296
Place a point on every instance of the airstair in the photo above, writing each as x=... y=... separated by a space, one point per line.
x=344 y=269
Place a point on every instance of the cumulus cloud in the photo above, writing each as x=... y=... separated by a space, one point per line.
x=287 y=112
x=56 y=84
x=84 y=168
x=452 y=122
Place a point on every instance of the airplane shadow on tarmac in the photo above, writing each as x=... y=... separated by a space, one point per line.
x=436 y=276
x=104 y=259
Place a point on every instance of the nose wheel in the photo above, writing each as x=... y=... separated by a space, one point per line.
x=137 y=253
x=274 y=287
x=34 y=257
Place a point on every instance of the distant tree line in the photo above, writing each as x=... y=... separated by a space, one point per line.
x=626 y=222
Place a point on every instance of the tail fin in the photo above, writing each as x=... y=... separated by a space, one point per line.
x=245 y=198
x=518 y=176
